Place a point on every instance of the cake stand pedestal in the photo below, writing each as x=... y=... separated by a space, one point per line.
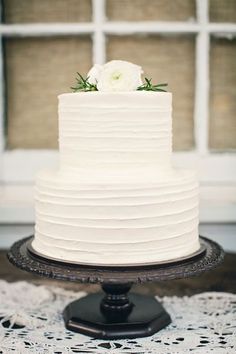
x=113 y=313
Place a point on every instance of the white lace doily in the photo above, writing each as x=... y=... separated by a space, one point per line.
x=31 y=322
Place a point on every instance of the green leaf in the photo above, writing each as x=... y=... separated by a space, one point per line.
x=148 y=81
x=83 y=84
x=161 y=85
x=148 y=86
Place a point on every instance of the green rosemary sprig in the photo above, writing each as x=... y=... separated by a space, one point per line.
x=82 y=84
x=148 y=86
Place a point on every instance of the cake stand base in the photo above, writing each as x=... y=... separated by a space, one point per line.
x=115 y=314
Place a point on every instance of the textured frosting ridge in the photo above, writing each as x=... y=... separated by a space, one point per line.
x=116 y=198
x=121 y=133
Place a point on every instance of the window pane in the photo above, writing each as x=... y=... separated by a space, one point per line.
x=165 y=59
x=222 y=10
x=37 y=70
x=152 y=10
x=223 y=94
x=23 y=11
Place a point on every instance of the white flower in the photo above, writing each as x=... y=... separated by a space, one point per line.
x=94 y=74
x=119 y=75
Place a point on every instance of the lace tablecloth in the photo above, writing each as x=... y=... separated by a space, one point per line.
x=31 y=322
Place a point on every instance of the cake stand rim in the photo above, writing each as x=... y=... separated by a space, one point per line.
x=38 y=255
x=194 y=266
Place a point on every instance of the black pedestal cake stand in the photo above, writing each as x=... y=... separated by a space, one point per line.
x=115 y=314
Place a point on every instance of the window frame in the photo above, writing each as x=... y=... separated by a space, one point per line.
x=217 y=171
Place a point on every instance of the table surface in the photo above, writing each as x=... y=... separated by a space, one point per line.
x=223 y=278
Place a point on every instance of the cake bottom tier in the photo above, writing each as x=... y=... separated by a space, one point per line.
x=116 y=224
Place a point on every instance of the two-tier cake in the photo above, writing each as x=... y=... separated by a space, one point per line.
x=116 y=199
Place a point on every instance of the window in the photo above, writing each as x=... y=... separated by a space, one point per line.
x=191 y=44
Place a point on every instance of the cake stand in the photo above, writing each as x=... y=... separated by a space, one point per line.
x=114 y=314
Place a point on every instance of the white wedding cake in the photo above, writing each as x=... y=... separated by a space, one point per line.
x=116 y=199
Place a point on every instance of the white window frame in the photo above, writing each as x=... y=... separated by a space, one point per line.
x=217 y=171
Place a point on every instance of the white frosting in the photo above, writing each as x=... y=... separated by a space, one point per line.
x=118 y=135
x=115 y=198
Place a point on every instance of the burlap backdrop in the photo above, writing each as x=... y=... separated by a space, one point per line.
x=23 y=11
x=222 y=10
x=152 y=10
x=222 y=133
